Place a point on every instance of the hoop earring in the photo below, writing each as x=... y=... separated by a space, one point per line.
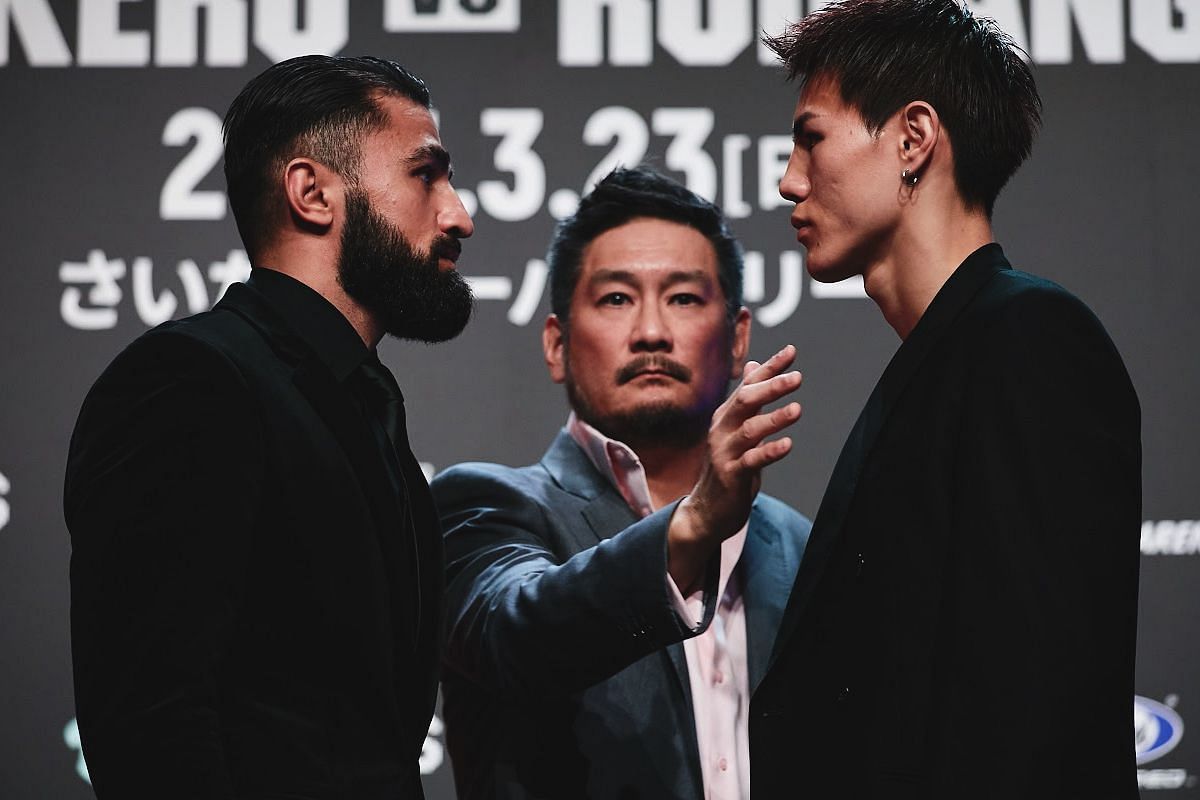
x=911 y=180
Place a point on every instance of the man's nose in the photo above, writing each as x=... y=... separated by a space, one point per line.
x=453 y=219
x=651 y=333
x=795 y=185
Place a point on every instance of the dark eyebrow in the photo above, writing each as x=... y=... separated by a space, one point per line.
x=627 y=276
x=618 y=275
x=798 y=123
x=685 y=276
x=439 y=155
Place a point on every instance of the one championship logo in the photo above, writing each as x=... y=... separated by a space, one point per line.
x=1157 y=729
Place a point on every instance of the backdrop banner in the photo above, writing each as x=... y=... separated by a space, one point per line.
x=116 y=221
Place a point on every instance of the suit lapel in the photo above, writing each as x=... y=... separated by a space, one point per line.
x=604 y=511
x=953 y=297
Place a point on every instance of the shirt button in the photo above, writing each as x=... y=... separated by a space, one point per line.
x=723 y=764
x=719 y=677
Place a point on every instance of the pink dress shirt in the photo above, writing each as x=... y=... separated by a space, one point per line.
x=716 y=658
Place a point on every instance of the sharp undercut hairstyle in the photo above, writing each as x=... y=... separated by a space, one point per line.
x=627 y=194
x=884 y=54
x=318 y=107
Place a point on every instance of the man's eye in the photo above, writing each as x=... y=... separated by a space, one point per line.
x=615 y=299
x=425 y=175
x=686 y=299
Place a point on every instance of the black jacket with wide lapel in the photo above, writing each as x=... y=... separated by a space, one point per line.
x=953 y=297
x=414 y=605
x=972 y=566
x=231 y=521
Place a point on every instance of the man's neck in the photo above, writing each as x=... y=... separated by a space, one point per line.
x=922 y=256
x=321 y=277
x=671 y=471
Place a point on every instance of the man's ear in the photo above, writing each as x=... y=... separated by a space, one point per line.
x=920 y=131
x=741 y=342
x=312 y=191
x=554 y=348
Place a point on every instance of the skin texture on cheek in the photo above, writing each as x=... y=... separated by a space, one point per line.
x=844 y=188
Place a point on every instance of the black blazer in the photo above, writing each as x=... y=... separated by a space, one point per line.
x=565 y=676
x=251 y=614
x=963 y=624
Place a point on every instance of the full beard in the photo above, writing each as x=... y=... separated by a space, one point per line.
x=405 y=290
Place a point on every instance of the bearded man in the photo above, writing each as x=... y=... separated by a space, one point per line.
x=572 y=584
x=256 y=572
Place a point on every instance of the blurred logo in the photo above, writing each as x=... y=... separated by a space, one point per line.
x=452 y=16
x=4 y=510
x=71 y=739
x=1171 y=537
x=1157 y=729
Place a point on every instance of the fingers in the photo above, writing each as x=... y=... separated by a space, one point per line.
x=740 y=425
x=766 y=453
x=756 y=372
x=757 y=428
x=748 y=450
x=751 y=397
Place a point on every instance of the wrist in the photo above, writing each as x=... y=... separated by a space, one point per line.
x=689 y=545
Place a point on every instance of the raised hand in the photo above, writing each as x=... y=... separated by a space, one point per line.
x=719 y=504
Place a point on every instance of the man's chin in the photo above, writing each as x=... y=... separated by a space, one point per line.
x=823 y=272
x=651 y=424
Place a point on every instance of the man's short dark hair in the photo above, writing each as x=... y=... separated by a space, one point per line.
x=314 y=106
x=627 y=194
x=884 y=54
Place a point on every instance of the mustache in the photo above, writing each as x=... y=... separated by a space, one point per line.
x=446 y=247
x=653 y=363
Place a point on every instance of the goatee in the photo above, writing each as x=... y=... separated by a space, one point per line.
x=652 y=425
x=406 y=291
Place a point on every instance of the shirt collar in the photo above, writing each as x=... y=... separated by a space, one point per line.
x=314 y=319
x=616 y=461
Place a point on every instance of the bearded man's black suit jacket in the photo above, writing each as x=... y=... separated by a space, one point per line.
x=256 y=579
x=963 y=623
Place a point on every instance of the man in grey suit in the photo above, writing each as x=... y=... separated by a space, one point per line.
x=574 y=583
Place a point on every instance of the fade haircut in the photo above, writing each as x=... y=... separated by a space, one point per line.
x=315 y=106
x=884 y=54
x=627 y=194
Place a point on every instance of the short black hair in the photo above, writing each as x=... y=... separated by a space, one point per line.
x=627 y=194
x=316 y=106
x=884 y=54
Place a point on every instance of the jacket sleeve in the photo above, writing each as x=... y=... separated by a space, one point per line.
x=521 y=619
x=162 y=477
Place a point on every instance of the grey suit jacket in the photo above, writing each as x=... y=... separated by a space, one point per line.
x=565 y=675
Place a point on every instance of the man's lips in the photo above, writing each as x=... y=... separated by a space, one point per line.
x=449 y=249
x=803 y=228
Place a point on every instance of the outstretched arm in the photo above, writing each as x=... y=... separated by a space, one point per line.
x=521 y=618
